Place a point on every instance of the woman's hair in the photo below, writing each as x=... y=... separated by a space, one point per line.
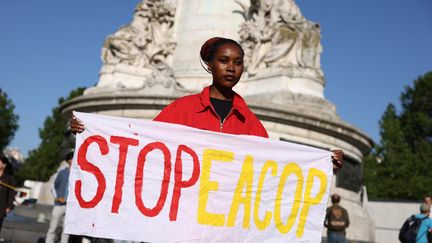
x=209 y=48
x=8 y=169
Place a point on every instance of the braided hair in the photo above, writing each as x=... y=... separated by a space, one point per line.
x=210 y=47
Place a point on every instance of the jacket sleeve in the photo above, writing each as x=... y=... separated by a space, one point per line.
x=167 y=114
x=257 y=127
x=262 y=132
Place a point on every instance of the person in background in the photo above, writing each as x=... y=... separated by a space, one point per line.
x=7 y=188
x=426 y=223
x=61 y=184
x=428 y=200
x=336 y=221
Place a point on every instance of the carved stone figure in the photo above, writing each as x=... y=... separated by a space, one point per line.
x=275 y=34
x=312 y=47
x=147 y=43
x=162 y=75
x=127 y=45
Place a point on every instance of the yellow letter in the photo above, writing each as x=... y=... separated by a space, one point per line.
x=206 y=186
x=263 y=224
x=308 y=201
x=245 y=180
x=289 y=168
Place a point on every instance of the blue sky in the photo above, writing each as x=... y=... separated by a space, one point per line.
x=372 y=49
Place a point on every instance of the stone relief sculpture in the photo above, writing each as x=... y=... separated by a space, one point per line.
x=147 y=42
x=164 y=75
x=276 y=35
x=127 y=44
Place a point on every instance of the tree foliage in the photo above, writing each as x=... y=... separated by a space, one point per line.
x=400 y=166
x=44 y=160
x=8 y=120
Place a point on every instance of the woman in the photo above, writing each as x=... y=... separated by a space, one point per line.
x=217 y=108
x=7 y=193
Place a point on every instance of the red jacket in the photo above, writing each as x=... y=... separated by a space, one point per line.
x=196 y=111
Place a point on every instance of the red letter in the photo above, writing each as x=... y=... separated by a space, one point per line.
x=123 y=149
x=139 y=178
x=87 y=166
x=179 y=184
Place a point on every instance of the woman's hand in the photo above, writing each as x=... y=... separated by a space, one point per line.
x=75 y=125
x=337 y=159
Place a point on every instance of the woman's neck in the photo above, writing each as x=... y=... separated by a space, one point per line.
x=221 y=93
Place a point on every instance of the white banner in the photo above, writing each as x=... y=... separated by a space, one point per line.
x=157 y=182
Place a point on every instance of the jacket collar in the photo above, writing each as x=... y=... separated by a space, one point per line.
x=239 y=104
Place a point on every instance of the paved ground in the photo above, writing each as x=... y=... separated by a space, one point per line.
x=26 y=224
x=29 y=224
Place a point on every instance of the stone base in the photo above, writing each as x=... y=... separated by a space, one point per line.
x=22 y=226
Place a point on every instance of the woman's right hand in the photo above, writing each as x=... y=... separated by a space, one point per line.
x=76 y=125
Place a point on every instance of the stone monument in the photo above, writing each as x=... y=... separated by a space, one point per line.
x=155 y=59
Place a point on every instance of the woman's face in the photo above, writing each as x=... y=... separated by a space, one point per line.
x=227 y=66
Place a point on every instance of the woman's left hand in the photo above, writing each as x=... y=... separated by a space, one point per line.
x=337 y=159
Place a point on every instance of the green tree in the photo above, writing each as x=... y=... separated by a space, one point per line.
x=386 y=167
x=44 y=160
x=416 y=119
x=8 y=120
x=399 y=167
x=416 y=116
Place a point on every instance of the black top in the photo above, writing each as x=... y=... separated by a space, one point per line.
x=222 y=107
x=7 y=195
